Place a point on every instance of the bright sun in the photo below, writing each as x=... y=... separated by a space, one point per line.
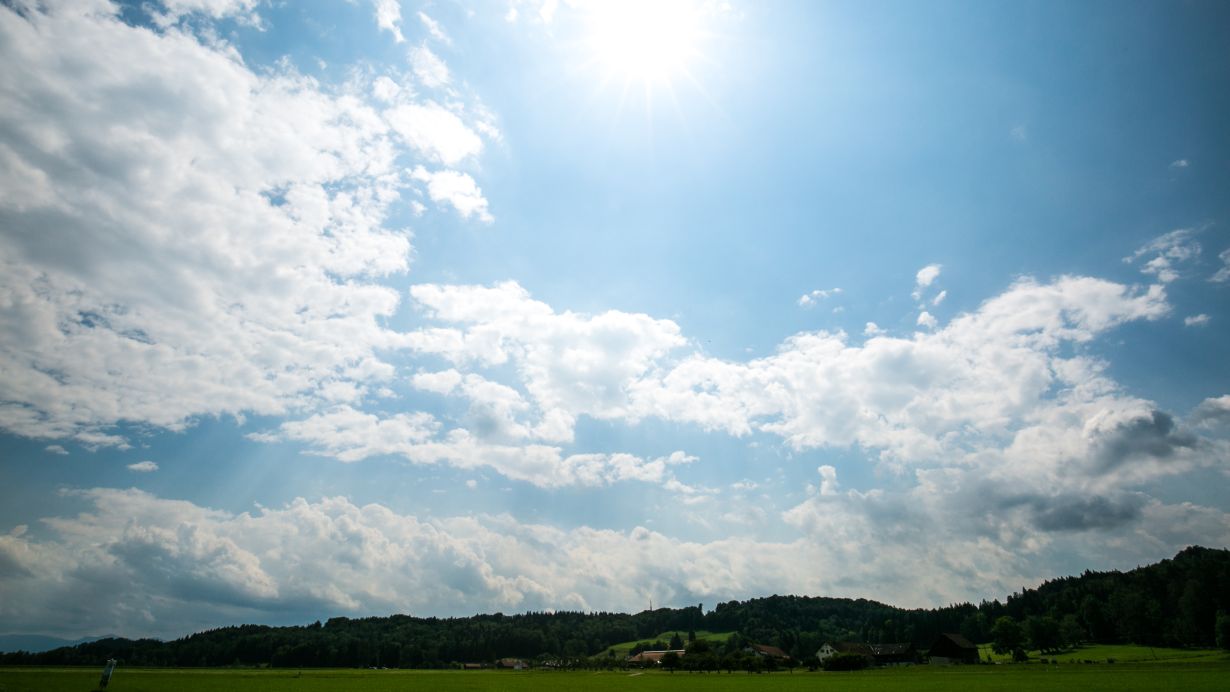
x=647 y=41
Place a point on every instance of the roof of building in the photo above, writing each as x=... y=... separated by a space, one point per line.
x=653 y=656
x=957 y=639
x=897 y=649
x=766 y=650
x=851 y=648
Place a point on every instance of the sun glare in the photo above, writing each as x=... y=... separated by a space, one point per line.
x=651 y=42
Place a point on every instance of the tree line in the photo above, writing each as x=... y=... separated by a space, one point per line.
x=1183 y=601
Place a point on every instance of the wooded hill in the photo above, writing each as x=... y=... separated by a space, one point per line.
x=1174 y=602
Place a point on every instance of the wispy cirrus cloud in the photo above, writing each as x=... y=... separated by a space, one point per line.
x=1222 y=274
x=1167 y=254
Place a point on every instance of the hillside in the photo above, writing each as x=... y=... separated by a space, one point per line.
x=1172 y=603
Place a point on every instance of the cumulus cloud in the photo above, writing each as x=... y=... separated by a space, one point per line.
x=56 y=449
x=1166 y=254
x=255 y=201
x=1212 y=412
x=1180 y=163
x=429 y=68
x=999 y=385
x=388 y=17
x=1196 y=320
x=169 y=12
x=568 y=363
x=457 y=189
x=808 y=300
x=435 y=132
x=143 y=565
x=1222 y=274
x=143 y=467
x=924 y=278
x=912 y=398
x=350 y=435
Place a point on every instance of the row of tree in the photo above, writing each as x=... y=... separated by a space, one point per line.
x=1175 y=602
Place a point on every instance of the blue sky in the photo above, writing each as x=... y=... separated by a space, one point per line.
x=315 y=309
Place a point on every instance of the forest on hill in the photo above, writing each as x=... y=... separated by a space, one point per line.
x=1182 y=601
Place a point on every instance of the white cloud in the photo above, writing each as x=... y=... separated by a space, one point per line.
x=546 y=11
x=456 y=188
x=388 y=17
x=807 y=300
x=926 y=319
x=1166 y=253
x=351 y=435
x=172 y=11
x=143 y=467
x=1223 y=274
x=55 y=449
x=828 y=480
x=1196 y=320
x=996 y=384
x=1180 y=163
x=386 y=89
x=143 y=565
x=939 y=297
x=873 y=329
x=435 y=132
x=429 y=68
x=1212 y=412
x=434 y=29
x=982 y=374
x=255 y=202
x=571 y=363
x=924 y=278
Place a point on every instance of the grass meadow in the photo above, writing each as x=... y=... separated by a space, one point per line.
x=1119 y=653
x=1188 y=677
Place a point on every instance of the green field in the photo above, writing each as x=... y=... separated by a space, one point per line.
x=1121 y=653
x=1088 y=678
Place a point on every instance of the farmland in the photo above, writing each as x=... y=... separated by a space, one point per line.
x=1191 y=677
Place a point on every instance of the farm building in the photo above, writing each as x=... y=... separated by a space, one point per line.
x=877 y=654
x=952 y=648
x=831 y=649
x=901 y=654
x=766 y=651
x=653 y=658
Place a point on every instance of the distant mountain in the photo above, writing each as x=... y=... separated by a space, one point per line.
x=35 y=643
x=1176 y=602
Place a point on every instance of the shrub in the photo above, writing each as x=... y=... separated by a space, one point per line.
x=846 y=662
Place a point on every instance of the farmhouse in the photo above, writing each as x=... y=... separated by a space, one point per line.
x=653 y=658
x=878 y=654
x=514 y=663
x=766 y=651
x=902 y=654
x=831 y=649
x=952 y=648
